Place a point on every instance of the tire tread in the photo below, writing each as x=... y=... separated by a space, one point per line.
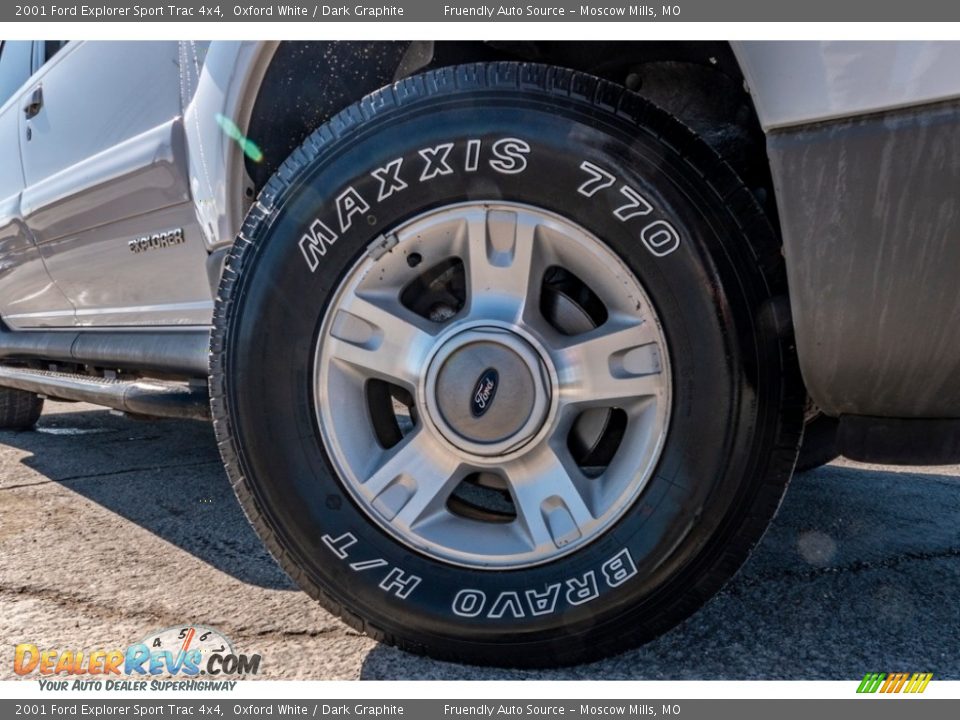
x=19 y=409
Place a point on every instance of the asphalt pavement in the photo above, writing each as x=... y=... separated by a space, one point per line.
x=111 y=528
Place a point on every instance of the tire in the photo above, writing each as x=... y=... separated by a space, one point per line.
x=819 y=445
x=19 y=410
x=694 y=252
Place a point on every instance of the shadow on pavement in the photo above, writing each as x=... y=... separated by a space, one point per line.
x=165 y=476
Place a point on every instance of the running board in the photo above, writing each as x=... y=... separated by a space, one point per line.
x=175 y=352
x=153 y=398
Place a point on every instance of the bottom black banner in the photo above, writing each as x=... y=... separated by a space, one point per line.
x=876 y=707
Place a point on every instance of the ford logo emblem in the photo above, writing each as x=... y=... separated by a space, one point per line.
x=484 y=390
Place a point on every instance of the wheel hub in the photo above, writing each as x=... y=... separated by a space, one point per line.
x=487 y=391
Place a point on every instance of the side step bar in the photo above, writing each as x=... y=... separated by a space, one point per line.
x=137 y=397
x=177 y=352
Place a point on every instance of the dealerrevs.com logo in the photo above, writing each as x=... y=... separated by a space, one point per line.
x=187 y=651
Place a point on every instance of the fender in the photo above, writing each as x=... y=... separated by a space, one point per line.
x=223 y=83
x=865 y=170
x=228 y=83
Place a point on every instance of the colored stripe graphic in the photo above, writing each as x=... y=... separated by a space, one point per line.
x=894 y=682
x=919 y=682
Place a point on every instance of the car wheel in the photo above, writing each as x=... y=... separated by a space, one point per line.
x=498 y=372
x=19 y=410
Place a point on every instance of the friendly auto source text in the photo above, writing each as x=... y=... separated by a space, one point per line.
x=625 y=709
x=490 y=11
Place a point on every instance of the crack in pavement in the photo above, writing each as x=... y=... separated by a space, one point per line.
x=748 y=582
x=93 y=476
x=286 y=634
x=149 y=618
x=75 y=602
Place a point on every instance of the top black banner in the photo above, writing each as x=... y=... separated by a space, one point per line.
x=438 y=11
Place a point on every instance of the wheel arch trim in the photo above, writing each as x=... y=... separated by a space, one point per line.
x=227 y=87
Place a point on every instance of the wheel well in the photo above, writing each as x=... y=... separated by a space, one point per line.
x=698 y=82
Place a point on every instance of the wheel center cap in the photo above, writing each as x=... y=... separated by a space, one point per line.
x=487 y=391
